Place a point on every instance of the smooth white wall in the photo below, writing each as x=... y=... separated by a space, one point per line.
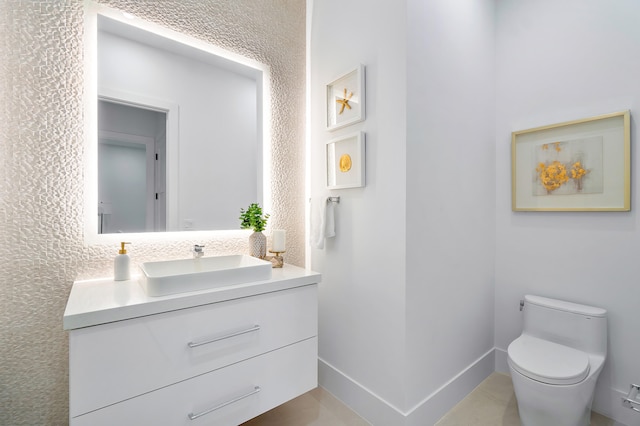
x=559 y=61
x=362 y=296
x=219 y=149
x=450 y=190
x=410 y=271
x=475 y=72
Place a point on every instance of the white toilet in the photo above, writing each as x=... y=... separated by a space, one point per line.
x=556 y=361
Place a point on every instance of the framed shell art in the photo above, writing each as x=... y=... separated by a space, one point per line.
x=345 y=162
x=581 y=165
x=346 y=100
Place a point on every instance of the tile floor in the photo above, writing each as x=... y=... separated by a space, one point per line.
x=315 y=408
x=492 y=403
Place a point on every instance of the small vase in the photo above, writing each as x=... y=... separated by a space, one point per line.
x=258 y=245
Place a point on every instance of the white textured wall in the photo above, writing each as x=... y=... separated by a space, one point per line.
x=559 y=61
x=450 y=191
x=41 y=171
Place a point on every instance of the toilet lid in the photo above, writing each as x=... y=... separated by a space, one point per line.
x=548 y=362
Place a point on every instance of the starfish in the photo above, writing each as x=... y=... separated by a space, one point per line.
x=344 y=102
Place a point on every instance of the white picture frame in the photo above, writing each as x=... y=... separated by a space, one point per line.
x=345 y=158
x=346 y=99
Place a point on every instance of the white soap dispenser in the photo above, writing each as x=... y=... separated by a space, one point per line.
x=121 y=265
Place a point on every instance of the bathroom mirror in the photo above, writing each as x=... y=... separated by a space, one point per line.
x=179 y=129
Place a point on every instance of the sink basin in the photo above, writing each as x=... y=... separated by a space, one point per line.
x=180 y=276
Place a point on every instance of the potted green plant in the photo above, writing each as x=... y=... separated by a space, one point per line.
x=253 y=218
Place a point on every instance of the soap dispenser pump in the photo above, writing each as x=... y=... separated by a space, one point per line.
x=121 y=265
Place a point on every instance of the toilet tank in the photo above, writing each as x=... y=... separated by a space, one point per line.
x=578 y=326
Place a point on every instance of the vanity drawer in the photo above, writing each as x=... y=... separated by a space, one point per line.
x=113 y=362
x=280 y=375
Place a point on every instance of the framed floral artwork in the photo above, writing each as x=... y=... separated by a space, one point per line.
x=581 y=165
x=345 y=162
x=346 y=100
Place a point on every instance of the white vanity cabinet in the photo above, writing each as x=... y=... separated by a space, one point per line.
x=216 y=357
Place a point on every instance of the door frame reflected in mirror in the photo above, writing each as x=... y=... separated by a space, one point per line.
x=172 y=112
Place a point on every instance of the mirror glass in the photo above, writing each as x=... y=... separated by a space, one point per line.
x=180 y=133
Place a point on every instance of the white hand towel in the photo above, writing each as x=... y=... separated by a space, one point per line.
x=329 y=219
x=322 y=222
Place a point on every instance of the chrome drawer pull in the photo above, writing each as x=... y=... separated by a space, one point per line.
x=224 y=404
x=228 y=336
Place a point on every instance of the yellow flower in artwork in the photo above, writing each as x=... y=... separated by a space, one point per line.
x=577 y=174
x=552 y=176
x=556 y=146
x=577 y=171
x=545 y=147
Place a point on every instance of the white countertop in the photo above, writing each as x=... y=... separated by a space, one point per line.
x=100 y=301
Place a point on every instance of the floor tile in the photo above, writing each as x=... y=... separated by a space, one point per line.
x=315 y=408
x=492 y=403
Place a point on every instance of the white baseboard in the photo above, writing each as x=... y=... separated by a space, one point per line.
x=436 y=405
x=608 y=402
x=363 y=401
x=377 y=411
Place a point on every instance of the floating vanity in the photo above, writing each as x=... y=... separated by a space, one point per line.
x=219 y=356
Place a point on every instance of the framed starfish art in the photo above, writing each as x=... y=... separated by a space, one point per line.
x=345 y=99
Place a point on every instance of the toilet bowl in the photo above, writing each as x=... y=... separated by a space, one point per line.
x=556 y=361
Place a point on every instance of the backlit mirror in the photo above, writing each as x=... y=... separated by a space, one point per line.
x=179 y=130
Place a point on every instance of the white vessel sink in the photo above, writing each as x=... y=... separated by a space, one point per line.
x=180 y=276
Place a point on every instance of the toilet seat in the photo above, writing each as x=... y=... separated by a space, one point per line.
x=548 y=362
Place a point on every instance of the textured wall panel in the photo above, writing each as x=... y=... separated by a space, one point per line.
x=41 y=171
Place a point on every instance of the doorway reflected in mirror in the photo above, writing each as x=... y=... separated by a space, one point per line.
x=131 y=168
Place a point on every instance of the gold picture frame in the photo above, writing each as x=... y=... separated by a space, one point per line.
x=581 y=165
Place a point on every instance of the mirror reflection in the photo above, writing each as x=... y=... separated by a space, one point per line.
x=179 y=133
x=131 y=166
